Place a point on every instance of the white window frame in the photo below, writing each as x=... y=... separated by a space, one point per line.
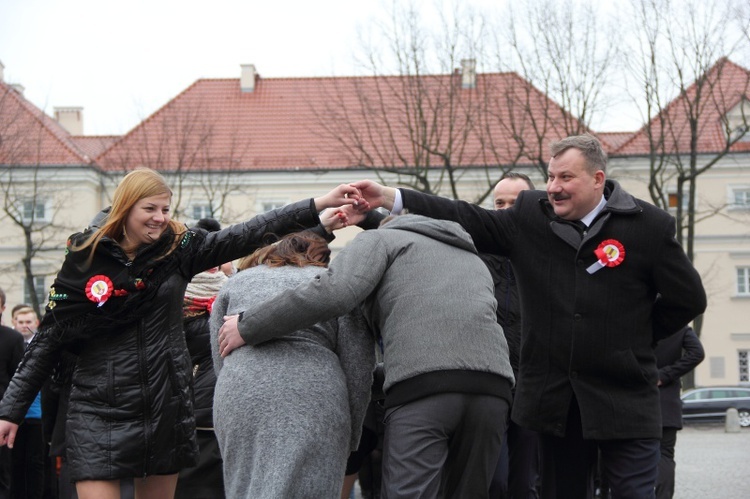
x=266 y=205
x=738 y=121
x=685 y=201
x=205 y=209
x=737 y=193
x=41 y=290
x=35 y=216
x=742 y=284
x=743 y=359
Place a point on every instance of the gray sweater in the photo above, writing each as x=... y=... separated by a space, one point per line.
x=423 y=289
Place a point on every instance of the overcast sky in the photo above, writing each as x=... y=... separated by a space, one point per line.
x=121 y=61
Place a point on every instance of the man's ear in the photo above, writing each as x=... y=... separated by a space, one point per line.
x=599 y=178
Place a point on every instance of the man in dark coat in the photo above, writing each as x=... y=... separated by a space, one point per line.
x=517 y=471
x=602 y=279
x=11 y=351
x=676 y=356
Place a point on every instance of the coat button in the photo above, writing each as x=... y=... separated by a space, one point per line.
x=574 y=374
x=579 y=263
x=577 y=317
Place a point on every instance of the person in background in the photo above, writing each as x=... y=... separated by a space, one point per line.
x=29 y=452
x=11 y=350
x=602 y=278
x=204 y=480
x=517 y=472
x=676 y=356
x=289 y=412
x=117 y=304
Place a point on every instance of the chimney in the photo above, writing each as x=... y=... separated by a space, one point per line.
x=468 y=73
x=1 y=71
x=247 y=77
x=18 y=88
x=70 y=118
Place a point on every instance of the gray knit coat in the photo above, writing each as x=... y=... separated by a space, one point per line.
x=423 y=289
x=287 y=413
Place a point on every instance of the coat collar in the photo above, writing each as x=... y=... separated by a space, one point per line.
x=619 y=202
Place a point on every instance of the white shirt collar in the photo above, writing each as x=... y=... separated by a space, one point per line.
x=588 y=219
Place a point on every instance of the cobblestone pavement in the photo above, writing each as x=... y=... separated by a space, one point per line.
x=712 y=464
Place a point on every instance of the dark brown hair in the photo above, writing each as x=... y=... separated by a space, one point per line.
x=299 y=249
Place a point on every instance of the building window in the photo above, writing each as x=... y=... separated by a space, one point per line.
x=741 y=198
x=674 y=200
x=738 y=122
x=39 y=287
x=744 y=371
x=271 y=205
x=34 y=211
x=743 y=281
x=201 y=210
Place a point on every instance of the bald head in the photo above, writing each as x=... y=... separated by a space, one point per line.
x=506 y=191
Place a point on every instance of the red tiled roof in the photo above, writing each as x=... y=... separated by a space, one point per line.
x=726 y=85
x=293 y=123
x=611 y=141
x=28 y=137
x=94 y=145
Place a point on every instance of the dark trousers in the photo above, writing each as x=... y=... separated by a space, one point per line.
x=444 y=445
x=206 y=479
x=569 y=463
x=517 y=472
x=665 y=482
x=28 y=461
x=5 y=472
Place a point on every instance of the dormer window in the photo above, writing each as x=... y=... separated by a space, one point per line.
x=738 y=122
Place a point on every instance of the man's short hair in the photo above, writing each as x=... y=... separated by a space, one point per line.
x=520 y=176
x=22 y=308
x=590 y=147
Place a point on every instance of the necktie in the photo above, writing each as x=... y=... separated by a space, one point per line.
x=582 y=227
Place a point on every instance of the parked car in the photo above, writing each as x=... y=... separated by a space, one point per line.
x=710 y=404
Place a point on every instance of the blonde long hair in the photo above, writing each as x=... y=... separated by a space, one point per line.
x=136 y=185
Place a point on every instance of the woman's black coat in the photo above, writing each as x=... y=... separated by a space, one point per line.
x=131 y=409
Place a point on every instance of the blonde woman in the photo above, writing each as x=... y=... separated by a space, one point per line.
x=117 y=304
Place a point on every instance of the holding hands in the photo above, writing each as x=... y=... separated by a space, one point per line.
x=375 y=195
x=344 y=194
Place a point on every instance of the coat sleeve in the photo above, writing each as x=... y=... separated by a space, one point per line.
x=681 y=297
x=242 y=239
x=356 y=351
x=491 y=230
x=351 y=277
x=692 y=355
x=35 y=367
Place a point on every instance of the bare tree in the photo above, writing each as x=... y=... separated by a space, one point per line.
x=182 y=141
x=30 y=201
x=414 y=117
x=565 y=51
x=690 y=93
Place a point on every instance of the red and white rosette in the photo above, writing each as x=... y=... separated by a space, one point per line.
x=98 y=289
x=610 y=253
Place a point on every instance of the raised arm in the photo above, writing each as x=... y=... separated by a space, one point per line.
x=351 y=277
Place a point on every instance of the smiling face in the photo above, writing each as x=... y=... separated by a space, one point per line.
x=572 y=189
x=147 y=220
